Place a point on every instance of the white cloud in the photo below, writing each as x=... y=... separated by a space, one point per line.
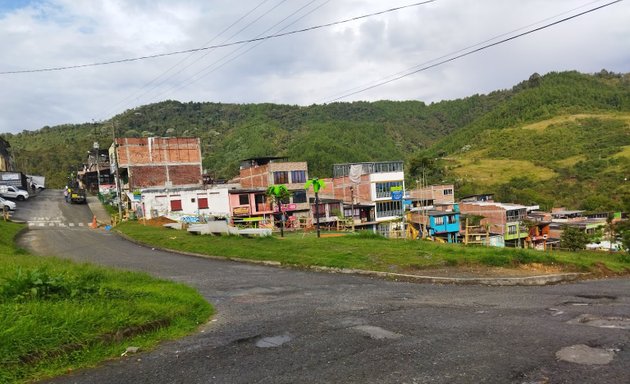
x=303 y=69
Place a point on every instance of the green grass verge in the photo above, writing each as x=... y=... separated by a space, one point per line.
x=57 y=316
x=367 y=252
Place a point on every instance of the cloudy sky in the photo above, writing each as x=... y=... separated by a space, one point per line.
x=318 y=66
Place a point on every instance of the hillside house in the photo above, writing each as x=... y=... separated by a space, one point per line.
x=157 y=162
x=96 y=172
x=188 y=204
x=500 y=218
x=437 y=224
x=372 y=194
x=256 y=175
x=432 y=195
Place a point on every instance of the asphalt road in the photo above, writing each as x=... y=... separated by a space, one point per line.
x=284 y=326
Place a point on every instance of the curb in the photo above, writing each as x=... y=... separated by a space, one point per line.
x=539 y=280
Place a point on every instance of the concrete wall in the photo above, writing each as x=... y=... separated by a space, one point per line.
x=158 y=203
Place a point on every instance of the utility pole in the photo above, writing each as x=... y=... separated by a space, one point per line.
x=98 y=171
x=117 y=172
x=352 y=206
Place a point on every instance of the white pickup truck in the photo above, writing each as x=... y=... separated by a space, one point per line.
x=11 y=192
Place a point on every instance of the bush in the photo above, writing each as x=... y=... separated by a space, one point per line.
x=369 y=235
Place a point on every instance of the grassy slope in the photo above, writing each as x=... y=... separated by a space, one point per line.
x=57 y=316
x=366 y=253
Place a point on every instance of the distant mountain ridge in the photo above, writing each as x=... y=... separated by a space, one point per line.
x=440 y=140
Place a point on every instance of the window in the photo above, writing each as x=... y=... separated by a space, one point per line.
x=388 y=208
x=512 y=229
x=452 y=219
x=385 y=189
x=448 y=192
x=438 y=220
x=299 y=197
x=281 y=177
x=202 y=203
x=243 y=199
x=176 y=205
x=298 y=176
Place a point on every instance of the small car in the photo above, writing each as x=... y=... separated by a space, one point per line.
x=7 y=204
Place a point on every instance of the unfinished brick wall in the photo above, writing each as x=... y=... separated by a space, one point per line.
x=494 y=216
x=160 y=161
x=255 y=177
x=362 y=191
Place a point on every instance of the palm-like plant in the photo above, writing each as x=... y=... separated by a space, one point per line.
x=317 y=185
x=277 y=194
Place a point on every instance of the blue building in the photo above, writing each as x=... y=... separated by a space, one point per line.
x=437 y=224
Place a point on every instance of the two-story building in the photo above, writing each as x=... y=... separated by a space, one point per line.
x=250 y=203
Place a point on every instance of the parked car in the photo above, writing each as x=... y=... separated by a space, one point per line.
x=7 y=204
x=12 y=192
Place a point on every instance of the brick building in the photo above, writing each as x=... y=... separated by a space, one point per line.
x=500 y=218
x=157 y=162
x=256 y=175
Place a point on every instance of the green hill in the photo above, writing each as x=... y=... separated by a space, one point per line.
x=561 y=138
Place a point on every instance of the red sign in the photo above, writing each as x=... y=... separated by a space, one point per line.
x=286 y=207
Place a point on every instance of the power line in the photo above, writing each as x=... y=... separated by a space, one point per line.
x=273 y=36
x=140 y=93
x=191 y=78
x=366 y=84
x=208 y=70
x=424 y=68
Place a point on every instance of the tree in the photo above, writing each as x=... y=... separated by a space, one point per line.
x=573 y=238
x=279 y=194
x=317 y=185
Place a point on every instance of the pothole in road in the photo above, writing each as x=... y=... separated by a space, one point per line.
x=598 y=297
x=585 y=355
x=273 y=341
x=377 y=333
x=602 y=322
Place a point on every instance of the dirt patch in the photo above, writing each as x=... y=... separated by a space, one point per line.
x=487 y=271
x=159 y=221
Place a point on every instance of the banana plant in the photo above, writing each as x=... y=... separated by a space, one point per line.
x=277 y=194
x=317 y=185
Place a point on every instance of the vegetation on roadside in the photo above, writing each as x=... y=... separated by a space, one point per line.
x=369 y=252
x=57 y=316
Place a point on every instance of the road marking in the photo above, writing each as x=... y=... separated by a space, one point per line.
x=71 y=224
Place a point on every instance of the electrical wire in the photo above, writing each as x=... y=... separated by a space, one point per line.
x=273 y=36
x=483 y=47
x=139 y=93
x=200 y=74
x=384 y=78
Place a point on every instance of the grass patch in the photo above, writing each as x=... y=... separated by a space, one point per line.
x=57 y=316
x=367 y=252
x=498 y=171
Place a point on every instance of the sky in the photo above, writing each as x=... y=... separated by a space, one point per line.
x=348 y=61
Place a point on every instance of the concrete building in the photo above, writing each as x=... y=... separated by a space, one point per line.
x=372 y=194
x=249 y=203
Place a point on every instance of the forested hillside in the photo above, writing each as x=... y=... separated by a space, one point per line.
x=561 y=138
